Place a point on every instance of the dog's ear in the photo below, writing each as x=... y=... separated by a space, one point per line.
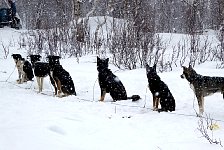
x=185 y=68
x=154 y=67
x=147 y=68
x=107 y=60
x=146 y=65
x=98 y=59
x=190 y=67
x=57 y=57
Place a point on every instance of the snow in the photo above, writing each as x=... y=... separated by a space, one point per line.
x=34 y=121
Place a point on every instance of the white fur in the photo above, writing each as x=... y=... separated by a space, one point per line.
x=40 y=81
x=22 y=74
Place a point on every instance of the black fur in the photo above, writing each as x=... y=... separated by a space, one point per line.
x=61 y=77
x=24 y=68
x=63 y=80
x=109 y=83
x=41 y=70
x=34 y=58
x=27 y=68
x=16 y=56
x=160 y=91
x=202 y=85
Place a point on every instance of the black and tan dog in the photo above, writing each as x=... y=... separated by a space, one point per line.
x=24 y=68
x=202 y=85
x=62 y=79
x=160 y=91
x=109 y=83
x=41 y=70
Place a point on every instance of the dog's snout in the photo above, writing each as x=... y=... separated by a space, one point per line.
x=182 y=76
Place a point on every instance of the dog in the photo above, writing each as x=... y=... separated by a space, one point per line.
x=62 y=79
x=160 y=91
x=18 y=61
x=24 y=68
x=202 y=85
x=109 y=83
x=41 y=70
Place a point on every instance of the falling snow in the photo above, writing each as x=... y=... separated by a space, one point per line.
x=34 y=121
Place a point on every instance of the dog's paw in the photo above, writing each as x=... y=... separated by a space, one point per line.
x=199 y=114
x=101 y=99
x=162 y=109
x=19 y=81
x=155 y=109
x=59 y=95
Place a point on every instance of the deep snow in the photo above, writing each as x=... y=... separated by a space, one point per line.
x=34 y=121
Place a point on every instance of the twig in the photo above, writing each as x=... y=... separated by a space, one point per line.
x=204 y=130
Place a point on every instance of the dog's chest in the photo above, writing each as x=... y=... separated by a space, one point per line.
x=41 y=69
x=51 y=73
x=106 y=79
x=192 y=87
x=19 y=65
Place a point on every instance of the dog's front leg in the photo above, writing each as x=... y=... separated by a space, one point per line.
x=55 y=88
x=41 y=83
x=103 y=93
x=155 y=103
x=59 y=88
x=38 y=83
x=20 y=77
x=24 y=77
x=20 y=70
x=53 y=82
x=200 y=104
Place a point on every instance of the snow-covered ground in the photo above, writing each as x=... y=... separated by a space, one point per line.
x=40 y=121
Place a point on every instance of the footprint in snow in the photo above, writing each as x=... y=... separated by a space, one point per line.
x=57 y=129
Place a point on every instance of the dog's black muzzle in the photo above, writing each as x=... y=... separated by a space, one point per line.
x=182 y=76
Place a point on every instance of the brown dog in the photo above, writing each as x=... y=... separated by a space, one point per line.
x=202 y=85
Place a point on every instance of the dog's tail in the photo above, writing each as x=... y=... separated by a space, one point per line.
x=134 y=97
